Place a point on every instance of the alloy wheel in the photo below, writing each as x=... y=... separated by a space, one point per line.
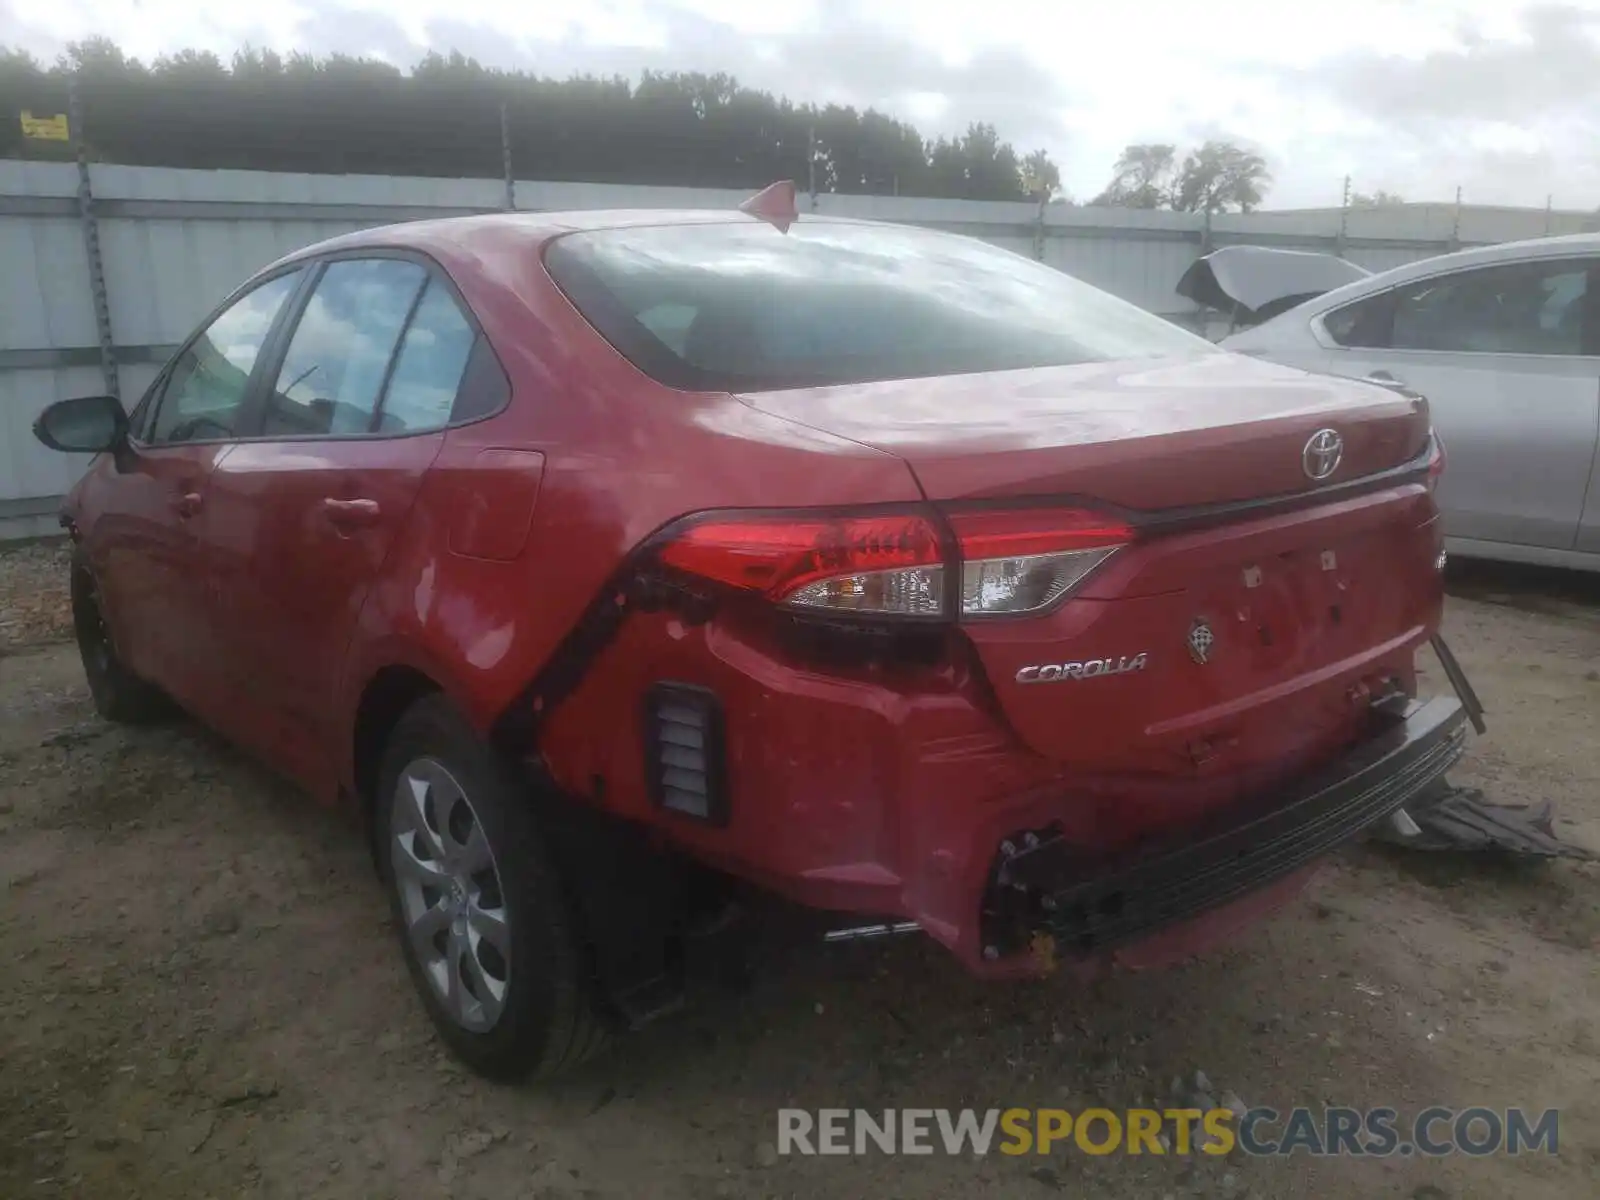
x=451 y=899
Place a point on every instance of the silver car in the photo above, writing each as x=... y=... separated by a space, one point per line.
x=1505 y=343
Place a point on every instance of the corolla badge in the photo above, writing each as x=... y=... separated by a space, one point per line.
x=1323 y=453
x=1089 y=668
x=1201 y=640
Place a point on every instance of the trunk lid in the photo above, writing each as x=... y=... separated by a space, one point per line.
x=1255 y=283
x=1146 y=435
x=1253 y=641
x=1228 y=649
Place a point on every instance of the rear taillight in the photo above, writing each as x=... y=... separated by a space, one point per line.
x=1025 y=561
x=886 y=565
x=1010 y=561
x=1436 y=459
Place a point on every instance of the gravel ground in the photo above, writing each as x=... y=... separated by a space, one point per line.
x=33 y=595
x=203 y=998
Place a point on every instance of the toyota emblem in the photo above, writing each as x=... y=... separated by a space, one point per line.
x=1322 y=454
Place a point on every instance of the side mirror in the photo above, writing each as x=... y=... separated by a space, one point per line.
x=86 y=425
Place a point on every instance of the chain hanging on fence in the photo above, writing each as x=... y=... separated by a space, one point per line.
x=91 y=243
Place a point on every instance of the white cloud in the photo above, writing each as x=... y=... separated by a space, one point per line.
x=1411 y=96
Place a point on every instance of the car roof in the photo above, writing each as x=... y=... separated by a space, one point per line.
x=450 y=237
x=1529 y=249
x=1544 y=247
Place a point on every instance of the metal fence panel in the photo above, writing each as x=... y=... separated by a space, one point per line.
x=44 y=293
x=174 y=242
x=32 y=472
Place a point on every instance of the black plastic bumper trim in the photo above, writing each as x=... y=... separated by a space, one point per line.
x=1052 y=886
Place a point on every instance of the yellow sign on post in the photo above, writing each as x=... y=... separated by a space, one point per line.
x=46 y=129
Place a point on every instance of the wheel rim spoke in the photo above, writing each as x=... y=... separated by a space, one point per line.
x=419 y=789
x=457 y=996
x=491 y=926
x=425 y=929
x=488 y=993
x=410 y=868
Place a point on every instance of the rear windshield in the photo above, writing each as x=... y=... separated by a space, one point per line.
x=741 y=307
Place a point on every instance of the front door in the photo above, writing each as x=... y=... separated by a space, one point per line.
x=145 y=549
x=144 y=554
x=301 y=516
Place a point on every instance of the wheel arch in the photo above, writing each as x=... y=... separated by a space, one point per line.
x=385 y=697
x=628 y=900
x=85 y=595
x=382 y=677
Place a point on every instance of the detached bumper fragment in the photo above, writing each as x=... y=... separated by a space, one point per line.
x=1462 y=820
x=1041 y=884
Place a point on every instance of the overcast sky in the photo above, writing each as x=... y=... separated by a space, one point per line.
x=1414 y=96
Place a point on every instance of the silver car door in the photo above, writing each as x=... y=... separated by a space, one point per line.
x=1505 y=355
x=1589 y=525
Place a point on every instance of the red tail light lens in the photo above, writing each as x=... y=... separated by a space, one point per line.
x=1028 y=560
x=884 y=564
x=1011 y=562
x=1003 y=534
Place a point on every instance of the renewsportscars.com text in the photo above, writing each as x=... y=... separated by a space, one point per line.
x=1261 y=1132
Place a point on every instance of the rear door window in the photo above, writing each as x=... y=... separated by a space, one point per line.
x=337 y=362
x=427 y=374
x=1518 y=308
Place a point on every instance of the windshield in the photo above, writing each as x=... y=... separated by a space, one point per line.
x=742 y=307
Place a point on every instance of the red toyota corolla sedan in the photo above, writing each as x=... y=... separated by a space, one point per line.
x=594 y=556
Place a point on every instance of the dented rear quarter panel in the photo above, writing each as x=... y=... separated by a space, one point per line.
x=619 y=457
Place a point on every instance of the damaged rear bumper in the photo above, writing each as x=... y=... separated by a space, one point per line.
x=1043 y=888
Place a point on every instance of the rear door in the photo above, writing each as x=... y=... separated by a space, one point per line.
x=146 y=549
x=1507 y=356
x=303 y=513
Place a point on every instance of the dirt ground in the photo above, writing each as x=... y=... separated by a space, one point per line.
x=200 y=997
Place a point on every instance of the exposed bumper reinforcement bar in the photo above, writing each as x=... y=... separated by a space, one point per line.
x=1045 y=885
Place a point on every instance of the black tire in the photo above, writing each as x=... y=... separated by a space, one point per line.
x=119 y=694
x=547 y=1021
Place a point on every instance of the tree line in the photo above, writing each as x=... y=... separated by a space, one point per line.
x=342 y=114
x=451 y=116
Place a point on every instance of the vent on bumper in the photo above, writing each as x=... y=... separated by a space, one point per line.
x=684 y=751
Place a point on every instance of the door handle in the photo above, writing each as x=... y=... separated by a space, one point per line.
x=1381 y=377
x=351 y=514
x=186 y=504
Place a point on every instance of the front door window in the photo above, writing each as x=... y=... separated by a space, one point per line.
x=206 y=386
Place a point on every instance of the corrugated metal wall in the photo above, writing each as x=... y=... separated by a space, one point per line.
x=174 y=242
